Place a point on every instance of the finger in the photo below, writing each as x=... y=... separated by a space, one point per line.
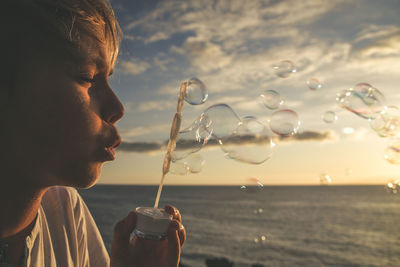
x=181 y=231
x=120 y=244
x=176 y=215
x=124 y=228
x=174 y=248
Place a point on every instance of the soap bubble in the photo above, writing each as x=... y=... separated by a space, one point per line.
x=329 y=117
x=363 y=100
x=348 y=171
x=284 y=68
x=194 y=163
x=387 y=123
x=284 y=122
x=179 y=168
x=324 y=179
x=271 y=99
x=220 y=120
x=314 y=84
x=186 y=144
x=263 y=238
x=191 y=164
x=251 y=142
x=196 y=92
x=393 y=186
x=253 y=185
x=392 y=152
x=258 y=211
x=260 y=239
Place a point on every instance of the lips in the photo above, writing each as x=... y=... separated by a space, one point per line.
x=108 y=153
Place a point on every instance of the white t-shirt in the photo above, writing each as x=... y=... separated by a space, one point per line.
x=65 y=233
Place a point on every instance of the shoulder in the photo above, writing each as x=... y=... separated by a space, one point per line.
x=63 y=199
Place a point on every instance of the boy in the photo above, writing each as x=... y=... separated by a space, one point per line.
x=58 y=115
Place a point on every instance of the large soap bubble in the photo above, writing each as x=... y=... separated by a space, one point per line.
x=196 y=92
x=392 y=152
x=271 y=99
x=387 y=123
x=186 y=144
x=220 y=121
x=284 y=122
x=251 y=142
x=192 y=139
x=284 y=68
x=363 y=100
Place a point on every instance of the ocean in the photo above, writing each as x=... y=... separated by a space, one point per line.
x=276 y=226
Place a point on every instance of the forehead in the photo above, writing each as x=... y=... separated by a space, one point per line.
x=97 y=53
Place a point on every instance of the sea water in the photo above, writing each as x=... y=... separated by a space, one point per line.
x=278 y=226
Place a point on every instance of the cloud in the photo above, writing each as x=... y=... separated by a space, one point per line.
x=151 y=147
x=140 y=147
x=308 y=136
x=134 y=66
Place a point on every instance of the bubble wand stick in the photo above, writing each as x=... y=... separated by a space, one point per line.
x=176 y=125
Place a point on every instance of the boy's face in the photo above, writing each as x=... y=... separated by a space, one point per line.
x=61 y=123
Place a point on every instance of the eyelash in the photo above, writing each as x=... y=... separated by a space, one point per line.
x=87 y=79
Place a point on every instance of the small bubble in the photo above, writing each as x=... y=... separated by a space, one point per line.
x=363 y=100
x=284 y=122
x=329 y=117
x=196 y=92
x=392 y=152
x=393 y=186
x=348 y=171
x=324 y=179
x=258 y=211
x=387 y=123
x=256 y=240
x=284 y=68
x=253 y=185
x=271 y=99
x=263 y=238
x=314 y=84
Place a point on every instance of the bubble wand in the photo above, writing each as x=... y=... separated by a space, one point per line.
x=176 y=125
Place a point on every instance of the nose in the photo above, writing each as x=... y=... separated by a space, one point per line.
x=113 y=110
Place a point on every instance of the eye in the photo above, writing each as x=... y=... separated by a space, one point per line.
x=85 y=78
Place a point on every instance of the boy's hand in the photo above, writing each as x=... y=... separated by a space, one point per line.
x=138 y=252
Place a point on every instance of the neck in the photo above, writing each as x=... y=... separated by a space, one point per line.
x=19 y=207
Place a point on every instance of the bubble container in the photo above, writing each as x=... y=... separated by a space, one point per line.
x=152 y=223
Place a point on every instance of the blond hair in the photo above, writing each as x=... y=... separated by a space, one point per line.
x=32 y=29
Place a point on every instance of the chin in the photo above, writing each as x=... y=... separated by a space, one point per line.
x=85 y=178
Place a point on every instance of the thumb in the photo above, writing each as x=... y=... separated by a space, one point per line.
x=122 y=233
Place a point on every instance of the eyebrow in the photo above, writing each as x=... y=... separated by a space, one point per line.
x=97 y=61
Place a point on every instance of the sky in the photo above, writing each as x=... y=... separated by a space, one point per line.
x=232 y=46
